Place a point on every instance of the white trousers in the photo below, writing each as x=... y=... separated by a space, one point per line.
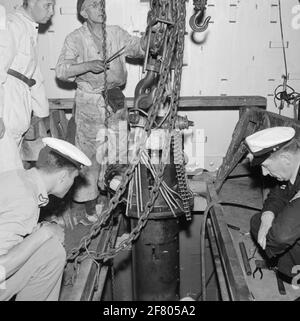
x=39 y=279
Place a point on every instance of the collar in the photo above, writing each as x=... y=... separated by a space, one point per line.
x=27 y=17
x=41 y=191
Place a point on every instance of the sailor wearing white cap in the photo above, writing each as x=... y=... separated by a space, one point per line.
x=32 y=256
x=265 y=142
x=277 y=228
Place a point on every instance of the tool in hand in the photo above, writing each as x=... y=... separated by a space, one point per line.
x=253 y=255
x=115 y=55
x=260 y=264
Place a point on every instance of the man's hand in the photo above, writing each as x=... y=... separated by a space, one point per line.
x=2 y=128
x=266 y=223
x=53 y=230
x=96 y=66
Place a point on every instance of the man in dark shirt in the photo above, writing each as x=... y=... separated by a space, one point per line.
x=277 y=228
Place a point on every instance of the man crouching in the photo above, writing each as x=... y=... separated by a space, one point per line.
x=32 y=256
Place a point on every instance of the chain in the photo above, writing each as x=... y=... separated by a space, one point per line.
x=104 y=53
x=199 y=4
x=181 y=175
x=174 y=43
x=112 y=273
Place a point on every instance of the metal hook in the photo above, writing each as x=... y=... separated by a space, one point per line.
x=199 y=27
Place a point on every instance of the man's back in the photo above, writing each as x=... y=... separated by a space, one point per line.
x=19 y=210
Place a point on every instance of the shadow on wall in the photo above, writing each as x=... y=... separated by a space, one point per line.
x=196 y=39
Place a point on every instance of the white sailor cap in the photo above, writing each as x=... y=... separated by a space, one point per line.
x=68 y=151
x=267 y=141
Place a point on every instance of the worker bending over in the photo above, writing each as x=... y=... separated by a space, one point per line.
x=277 y=228
x=32 y=256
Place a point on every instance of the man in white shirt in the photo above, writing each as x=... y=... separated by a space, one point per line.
x=32 y=257
x=21 y=84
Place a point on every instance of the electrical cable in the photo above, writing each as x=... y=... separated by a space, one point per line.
x=283 y=96
x=282 y=39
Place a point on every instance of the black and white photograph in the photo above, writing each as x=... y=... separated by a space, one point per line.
x=149 y=154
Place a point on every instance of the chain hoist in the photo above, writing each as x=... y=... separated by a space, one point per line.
x=172 y=59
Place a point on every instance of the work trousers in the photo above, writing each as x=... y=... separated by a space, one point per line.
x=39 y=279
x=102 y=145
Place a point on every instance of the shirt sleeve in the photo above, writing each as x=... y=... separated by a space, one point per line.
x=7 y=54
x=277 y=199
x=16 y=222
x=68 y=56
x=285 y=230
x=133 y=44
x=40 y=104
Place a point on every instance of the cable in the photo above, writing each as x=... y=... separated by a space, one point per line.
x=282 y=39
x=283 y=95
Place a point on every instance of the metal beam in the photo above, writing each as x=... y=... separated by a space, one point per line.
x=188 y=103
x=236 y=280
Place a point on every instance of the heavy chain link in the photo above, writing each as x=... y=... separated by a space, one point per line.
x=175 y=44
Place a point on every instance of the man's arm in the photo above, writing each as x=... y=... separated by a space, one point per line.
x=266 y=223
x=40 y=104
x=68 y=67
x=134 y=46
x=19 y=254
x=285 y=230
x=7 y=54
x=277 y=199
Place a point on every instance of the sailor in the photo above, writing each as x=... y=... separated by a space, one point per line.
x=32 y=256
x=21 y=83
x=277 y=227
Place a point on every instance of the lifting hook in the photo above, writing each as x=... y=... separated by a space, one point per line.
x=196 y=18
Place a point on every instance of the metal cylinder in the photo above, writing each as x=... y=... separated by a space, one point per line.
x=156 y=261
